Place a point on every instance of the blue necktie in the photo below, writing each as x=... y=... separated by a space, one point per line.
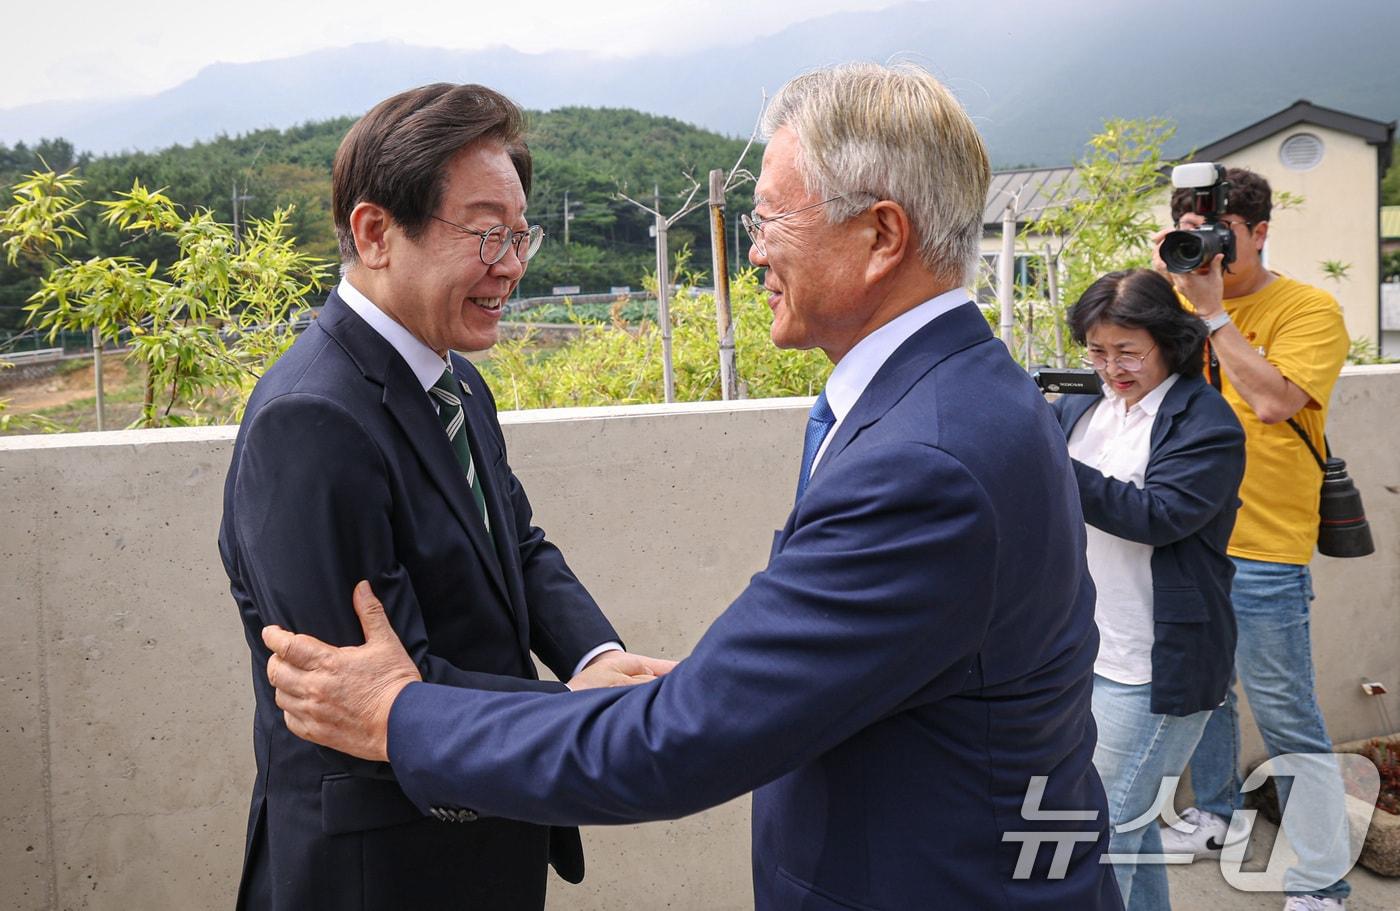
x=819 y=422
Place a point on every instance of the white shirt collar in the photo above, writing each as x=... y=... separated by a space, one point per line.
x=1149 y=404
x=422 y=360
x=855 y=371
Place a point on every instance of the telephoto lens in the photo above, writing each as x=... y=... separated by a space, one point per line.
x=1187 y=251
x=1343 y=530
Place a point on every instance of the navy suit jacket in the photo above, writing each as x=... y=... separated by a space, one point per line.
x=919 y=648
x=342 y=471
x=1186 y=511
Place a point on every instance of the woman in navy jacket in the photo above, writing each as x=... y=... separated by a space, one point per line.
x=1158 y=456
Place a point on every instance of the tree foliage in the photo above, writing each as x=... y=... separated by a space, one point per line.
x=619 y=363
x=1100 y=220
x=590 y=154
x=206 y=324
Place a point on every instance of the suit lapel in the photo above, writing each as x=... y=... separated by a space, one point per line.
x=404 y=399
x=479 y=430
x=946 y=335
x=1075 y=409
x=941 y=338
x=1176 y=400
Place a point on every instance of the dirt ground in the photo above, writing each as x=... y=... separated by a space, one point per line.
x=64 y=387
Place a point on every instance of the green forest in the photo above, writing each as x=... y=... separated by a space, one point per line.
x=590 y=154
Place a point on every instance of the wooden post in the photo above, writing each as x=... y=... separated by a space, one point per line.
x=720 y=266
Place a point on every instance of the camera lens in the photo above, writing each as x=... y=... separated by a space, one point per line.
x=1187 y=251
x=1183 y=251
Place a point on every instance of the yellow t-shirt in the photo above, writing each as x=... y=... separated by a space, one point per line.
x=1298 y=329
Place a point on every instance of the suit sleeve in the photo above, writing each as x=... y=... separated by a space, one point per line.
x=878 y=596
x=1196 y=469
x=312 y=517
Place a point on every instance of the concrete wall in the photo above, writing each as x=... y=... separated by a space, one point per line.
x=125 y=759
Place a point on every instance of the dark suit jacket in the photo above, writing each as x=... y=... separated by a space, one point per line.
x=341 y=471
x=1186 y=511
x=919 y=648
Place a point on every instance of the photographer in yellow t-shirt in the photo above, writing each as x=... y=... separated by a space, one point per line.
x=1278 y=346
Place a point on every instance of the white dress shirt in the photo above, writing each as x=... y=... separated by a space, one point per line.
x=1118 y=441
x=428 y=368
x=855 y=371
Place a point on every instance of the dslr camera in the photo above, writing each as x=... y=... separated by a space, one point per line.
x=1187 y=251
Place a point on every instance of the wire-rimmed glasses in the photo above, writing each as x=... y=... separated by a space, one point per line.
x=1132 y=363
x=496 y=240
x=755 y=225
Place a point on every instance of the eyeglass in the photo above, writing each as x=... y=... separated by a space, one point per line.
x=495 y=241
x=1130 y=362
x=1247 y=225
x=755 y=225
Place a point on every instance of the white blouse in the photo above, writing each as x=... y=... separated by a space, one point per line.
x=1117 y=441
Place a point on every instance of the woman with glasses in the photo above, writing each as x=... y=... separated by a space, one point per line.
x=1158 y=457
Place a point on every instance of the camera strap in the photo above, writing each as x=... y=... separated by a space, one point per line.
x=1213 y=374
x=1311 y=448
x=1212 y=366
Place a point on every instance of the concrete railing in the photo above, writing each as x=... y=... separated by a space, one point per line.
x=125 y=705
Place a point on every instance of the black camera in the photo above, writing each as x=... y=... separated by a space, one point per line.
x=1067 y=381
x=1187 y=251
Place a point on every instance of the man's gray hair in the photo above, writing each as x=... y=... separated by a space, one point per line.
x=869 y=132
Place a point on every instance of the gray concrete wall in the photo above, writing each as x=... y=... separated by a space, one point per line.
x=125 y=759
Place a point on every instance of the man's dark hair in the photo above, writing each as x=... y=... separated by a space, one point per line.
x=396 y=155
x=1142 y=299
x=1249 y=197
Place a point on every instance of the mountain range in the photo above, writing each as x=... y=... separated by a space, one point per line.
x=1038 y=78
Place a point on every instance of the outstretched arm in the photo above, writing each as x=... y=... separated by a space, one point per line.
x=879 y=598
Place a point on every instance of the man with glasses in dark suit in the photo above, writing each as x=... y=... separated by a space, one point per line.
x=372 y=449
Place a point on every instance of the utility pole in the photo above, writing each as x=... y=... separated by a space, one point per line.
x=720 y=266
x=663 y=297
x=568 y=217
x=237 y=222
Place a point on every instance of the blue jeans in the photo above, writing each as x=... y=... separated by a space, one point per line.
x=1273 y=662
x=1135 y=751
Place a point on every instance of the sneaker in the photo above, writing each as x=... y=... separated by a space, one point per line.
x=1204 y=835
x=1314 y=903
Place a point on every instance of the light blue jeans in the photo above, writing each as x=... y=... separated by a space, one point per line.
x=1135 y=751
x=1273 y=661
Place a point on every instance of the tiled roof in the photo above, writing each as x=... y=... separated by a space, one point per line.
x=1031 y=190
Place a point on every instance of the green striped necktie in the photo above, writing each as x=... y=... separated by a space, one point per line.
x=447 y=393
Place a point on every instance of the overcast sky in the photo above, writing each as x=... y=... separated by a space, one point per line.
x=103 y=49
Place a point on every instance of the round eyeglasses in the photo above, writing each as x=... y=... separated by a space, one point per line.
x=496 y=241
x=1132 y=363
x=755 y=225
